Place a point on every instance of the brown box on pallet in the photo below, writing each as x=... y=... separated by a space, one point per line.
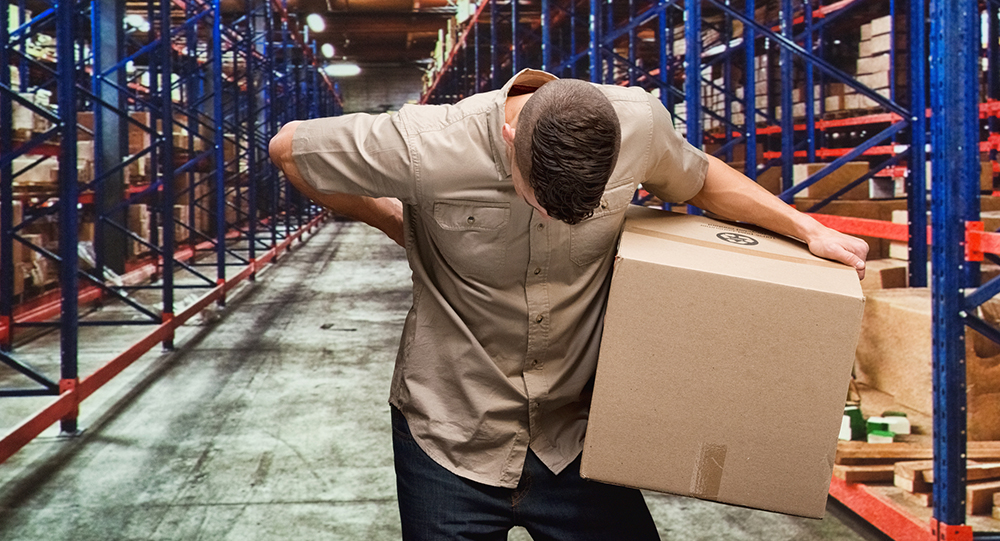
x=833 y=182
x=986 y=176
x=894 y=356
x=742 y=308
x=139 y=224
x=138 y=138
x=18 y=249
x=884 y=274
x=873 y=210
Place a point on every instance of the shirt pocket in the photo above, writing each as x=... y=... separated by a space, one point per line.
x=472 y=236
x=595 y=237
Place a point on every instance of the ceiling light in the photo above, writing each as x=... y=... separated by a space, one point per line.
x=137 y=21
x=316 y=22
x=342 y=70
x=327 y=50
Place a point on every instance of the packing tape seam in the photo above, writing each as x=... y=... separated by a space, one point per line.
x=706 y=480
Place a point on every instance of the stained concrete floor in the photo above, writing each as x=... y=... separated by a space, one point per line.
x=269 y=421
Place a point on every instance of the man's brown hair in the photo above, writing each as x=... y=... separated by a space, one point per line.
x=566 y=145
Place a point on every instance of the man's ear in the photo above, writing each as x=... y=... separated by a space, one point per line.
x=508 y=134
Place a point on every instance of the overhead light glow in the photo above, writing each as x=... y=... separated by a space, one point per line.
x=327 y=50
x=316 y=22
x=342 y=70
x=136 y=21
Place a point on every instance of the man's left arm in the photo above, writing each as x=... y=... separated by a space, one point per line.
x=733 y=196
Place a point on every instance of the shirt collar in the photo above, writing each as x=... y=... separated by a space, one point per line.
x=526 y=77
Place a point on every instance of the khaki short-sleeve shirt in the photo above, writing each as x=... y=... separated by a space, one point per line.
x=500 y=345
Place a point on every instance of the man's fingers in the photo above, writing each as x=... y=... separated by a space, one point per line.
x=851 y=258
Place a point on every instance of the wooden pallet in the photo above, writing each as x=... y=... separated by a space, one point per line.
x=909 y=466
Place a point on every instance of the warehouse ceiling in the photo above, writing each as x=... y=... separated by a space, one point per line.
x=378 y=32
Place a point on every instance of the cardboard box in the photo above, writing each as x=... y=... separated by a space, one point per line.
x=138 y=138
x=878 y=64
x=881 y=26
x=17 y=248
x=884 y=274
x=745 y=404
x=830 y=184
x=894 y=356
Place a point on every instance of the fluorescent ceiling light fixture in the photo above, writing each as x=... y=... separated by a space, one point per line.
x=342 y=70
x=316 y=22
x=722 y=47
x=327 y=50
x=136 y=21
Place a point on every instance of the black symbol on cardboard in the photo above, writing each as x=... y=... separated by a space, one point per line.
x=736 y=238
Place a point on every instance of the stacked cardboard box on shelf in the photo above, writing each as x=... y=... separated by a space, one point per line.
x=857 y=202
x=18 y=251
x=139 y=170
x=139 y=223
x=894 y=356
x=874 y=62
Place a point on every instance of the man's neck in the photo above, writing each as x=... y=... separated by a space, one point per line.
x=512 y=107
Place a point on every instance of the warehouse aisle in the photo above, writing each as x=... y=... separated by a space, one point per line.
x=272 y=423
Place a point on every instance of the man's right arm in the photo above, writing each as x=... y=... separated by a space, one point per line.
x=385 y=213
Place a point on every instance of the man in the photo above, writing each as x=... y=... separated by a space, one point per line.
x=509 y=205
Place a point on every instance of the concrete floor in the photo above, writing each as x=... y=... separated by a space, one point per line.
x=269 y=421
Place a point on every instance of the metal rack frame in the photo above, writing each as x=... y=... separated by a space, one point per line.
x=183 y=56
x=600 y=41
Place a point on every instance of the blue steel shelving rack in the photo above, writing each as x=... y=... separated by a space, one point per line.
x=634 y=42
x=230 y=79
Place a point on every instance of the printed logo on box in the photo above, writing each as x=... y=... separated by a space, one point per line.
x=736 y=238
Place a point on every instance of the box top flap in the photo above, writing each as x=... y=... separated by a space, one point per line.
x=746 y=251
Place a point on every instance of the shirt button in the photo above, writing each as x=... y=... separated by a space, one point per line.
x=539 y=318
x=604 y=204
x=472 y=220
x=541 y=227
x=538 y=270
x=534 y=363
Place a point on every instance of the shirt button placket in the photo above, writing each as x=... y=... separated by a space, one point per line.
x=536 y=294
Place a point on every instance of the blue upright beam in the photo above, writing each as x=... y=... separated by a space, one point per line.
x=546 y=36
x=916 y=182
x=954 y=48
x=66 y=19
x=514 y=35
x=810 y=92
x=494 y=53
x=692 y=67
x=167 y=164
x=219 y=133
x=596 y=71
x=787 y=116
x=750 y=92
x=692 y=86
x=251 y=129
x=6 y=186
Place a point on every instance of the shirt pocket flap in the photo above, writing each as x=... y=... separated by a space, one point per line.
x=471 y=216
x=615 y=199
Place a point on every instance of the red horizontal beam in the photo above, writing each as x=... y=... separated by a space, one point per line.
x=865 y=227
x=977 y=240
x=880 y=511
x=50 y=304
x=884 y=150
x=67 y=402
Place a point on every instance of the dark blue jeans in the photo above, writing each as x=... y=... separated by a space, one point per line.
x=435 y=504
